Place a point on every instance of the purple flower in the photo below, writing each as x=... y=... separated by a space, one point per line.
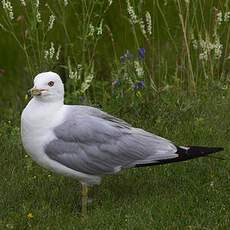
x=127 y=56
x=139 y=85
x=116 y=83
x=141 y=53
x=122 y=59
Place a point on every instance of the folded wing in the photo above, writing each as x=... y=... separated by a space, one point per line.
x=96 y=143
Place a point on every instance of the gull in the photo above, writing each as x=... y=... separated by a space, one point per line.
x=86 y=143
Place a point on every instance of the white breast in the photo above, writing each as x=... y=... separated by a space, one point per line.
x=37 y=123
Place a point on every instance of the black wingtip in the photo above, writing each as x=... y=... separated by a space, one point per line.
x=197 y=151
x=191 y=152
x=187 y=153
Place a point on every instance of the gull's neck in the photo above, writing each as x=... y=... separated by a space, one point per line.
x=39 y=112
x=40 y=106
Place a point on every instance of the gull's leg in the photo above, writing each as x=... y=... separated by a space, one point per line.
x=84 y=199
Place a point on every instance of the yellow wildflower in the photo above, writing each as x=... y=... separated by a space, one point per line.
x=30 y=215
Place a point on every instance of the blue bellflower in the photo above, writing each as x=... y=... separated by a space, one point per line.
x=141 y=53
x=139 y=85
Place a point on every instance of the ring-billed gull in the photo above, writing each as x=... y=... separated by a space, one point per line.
x=86 y=143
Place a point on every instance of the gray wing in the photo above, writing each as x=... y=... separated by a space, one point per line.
x=97 y=143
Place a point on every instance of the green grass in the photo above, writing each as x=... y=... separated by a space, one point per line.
x=189 y=195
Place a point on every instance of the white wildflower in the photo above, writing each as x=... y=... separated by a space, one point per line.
x=226 y=16
x=73 y=75
x=51 y=22
x=66 y=2
x=46 y=54
x=142 y=26
x=7 y=6
x=51 y=50
x=131 y=12
x=139 y=69
x=58 y=53
x=87 y=82
x=110 y=2
x=50 y=53
x=195 y=44
x=203 y=56
x=209 y=48
x=91 y=30
x=149 y=22
x=76 y=73
x=37 y=3
x=38 y=17
x=23 y=2
x=99 y=29
x=206 y=45
x=219 y=17
x=218 y=47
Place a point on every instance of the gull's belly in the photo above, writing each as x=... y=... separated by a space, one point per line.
x=34 y=142
x=37 y=130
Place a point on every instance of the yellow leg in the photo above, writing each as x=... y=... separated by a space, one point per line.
x=84 y=200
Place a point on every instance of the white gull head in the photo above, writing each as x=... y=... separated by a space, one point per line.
x=48 y=87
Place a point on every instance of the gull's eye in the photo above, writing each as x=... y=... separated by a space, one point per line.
x=51 y=83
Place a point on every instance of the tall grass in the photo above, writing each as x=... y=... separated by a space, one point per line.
x=95 y=44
